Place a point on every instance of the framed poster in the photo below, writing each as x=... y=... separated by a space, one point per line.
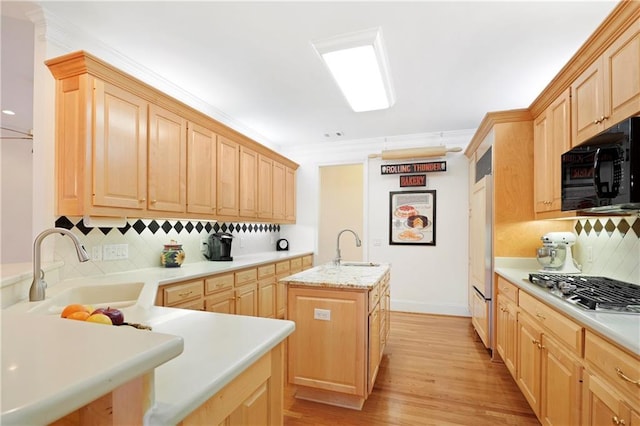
x=412 y=217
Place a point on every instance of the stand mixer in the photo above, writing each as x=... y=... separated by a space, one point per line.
x=555 y=256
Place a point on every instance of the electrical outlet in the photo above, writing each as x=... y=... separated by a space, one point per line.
x=96 y=253
x=322 y=314
x=115 y=251
x=376 y=242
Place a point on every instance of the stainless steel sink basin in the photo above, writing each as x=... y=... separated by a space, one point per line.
x=359 y=264
x=114 y=295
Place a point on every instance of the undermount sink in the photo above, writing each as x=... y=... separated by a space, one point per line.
x=359 y=264
x=113 y=295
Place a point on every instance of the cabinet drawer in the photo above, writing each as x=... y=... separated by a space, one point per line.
x=282 y=267
x=307 y=262
x=507 y=289
x=247 y=276
x=266 y=271
x=183 y=292
x=218 y=283
x=296 y=263
x=562 y=327
x=195 y=305
x=621 y=368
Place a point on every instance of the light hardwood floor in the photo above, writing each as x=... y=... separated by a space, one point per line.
x=435 y=371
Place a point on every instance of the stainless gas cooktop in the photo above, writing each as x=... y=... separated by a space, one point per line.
x=593 y=293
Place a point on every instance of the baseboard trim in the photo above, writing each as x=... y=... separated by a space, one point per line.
x=426 y=308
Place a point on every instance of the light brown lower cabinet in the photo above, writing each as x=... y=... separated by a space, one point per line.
x=335 y=353
x=569 y=374
x=255 y=397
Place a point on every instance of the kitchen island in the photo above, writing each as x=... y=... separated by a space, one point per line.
x=193 y=367
x=342 y=324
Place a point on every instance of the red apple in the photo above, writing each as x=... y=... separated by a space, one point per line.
x=116 y=315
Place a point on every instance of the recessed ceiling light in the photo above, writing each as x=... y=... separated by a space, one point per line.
x=8 y=112
x=358 y=63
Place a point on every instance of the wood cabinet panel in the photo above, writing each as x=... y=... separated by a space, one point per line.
x=279 y=190
x=335 y=359
x=529 y=361
x=248 y=183
x=246 y=276
x=167 y=159
x=267 y=298
x=222 y=302
x=219 y=282
x=507 y=332
x=374 y=347
x=622 y=76
x=182 y=292
x=265 y=187
x=119 y=148
x=570 y=333
x=290 y=195
x=561 y=385
x=602 y=405
x=228 y=177
x=246 y=299
x=201 y=170
x=620 y=368
x=552 y=138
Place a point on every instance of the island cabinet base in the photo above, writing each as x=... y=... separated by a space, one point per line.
x=255 y=397
x=125 y=405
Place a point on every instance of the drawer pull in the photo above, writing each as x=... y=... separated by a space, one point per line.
x=542 y=317
x=185 y=294
x=626 y=378
x=618 y=421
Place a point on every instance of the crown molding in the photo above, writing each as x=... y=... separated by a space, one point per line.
x=68 y=37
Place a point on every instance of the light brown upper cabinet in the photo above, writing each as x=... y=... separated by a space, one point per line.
x=125 y=149
x=551 y=138
x=201 y=169
x=279 y=190
x=119 y=148
x=609 y=90
x=290 y=195
x=167 y=156
x=228 y=177
x=248 y=183
x=265 y=187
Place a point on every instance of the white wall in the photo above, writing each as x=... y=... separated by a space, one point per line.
x=430 y=279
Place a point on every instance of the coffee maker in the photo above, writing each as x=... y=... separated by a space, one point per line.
x=218 y=247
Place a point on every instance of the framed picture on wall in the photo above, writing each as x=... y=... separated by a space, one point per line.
x=412 y=217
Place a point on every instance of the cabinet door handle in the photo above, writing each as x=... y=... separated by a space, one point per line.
x=539 y=315
x=618 y=421
x=626 y=378
x=185 y=294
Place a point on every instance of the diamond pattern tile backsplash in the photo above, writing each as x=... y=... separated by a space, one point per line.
x=609 y=246
x=145 y=239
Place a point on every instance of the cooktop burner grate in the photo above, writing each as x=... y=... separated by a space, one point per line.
x=595 y=293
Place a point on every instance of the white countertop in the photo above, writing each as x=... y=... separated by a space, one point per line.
x=623 y=329
x=205 y=366
x=347 y=275
x=52 y=366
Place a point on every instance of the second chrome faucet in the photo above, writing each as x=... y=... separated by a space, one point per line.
x=336 y=261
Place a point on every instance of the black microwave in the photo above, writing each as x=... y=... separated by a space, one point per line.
x=602 y=175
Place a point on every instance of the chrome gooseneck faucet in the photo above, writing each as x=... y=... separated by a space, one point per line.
x=38 y=285
x=336 y=261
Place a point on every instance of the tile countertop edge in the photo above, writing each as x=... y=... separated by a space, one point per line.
x=619 y=328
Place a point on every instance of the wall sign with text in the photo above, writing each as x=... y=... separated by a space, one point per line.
x=413 y=180
x=403 y=169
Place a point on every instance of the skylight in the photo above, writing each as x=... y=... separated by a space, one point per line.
x=358 y=63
